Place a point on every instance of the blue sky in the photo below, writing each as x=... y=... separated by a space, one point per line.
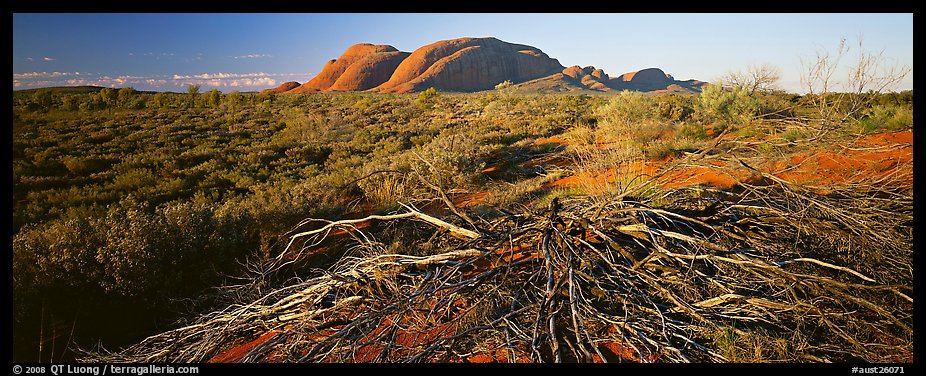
x=245 y=52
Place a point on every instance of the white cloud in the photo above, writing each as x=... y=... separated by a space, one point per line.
x=253 y=56
x=209 y=76
x=46 y=58
x=220 y=80
x=37 y=75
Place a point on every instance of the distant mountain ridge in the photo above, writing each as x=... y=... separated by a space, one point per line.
x=473 y=64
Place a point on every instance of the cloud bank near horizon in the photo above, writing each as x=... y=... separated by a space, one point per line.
x=222 y=81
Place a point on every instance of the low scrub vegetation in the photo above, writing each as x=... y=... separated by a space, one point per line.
x=183 y=204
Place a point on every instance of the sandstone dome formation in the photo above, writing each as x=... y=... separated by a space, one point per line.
x=468 y=64
x=286 y=86
x=369 y=72
x=360 y=67
x=645 y=80
x=473 y=64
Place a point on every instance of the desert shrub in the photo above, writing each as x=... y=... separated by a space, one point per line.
x=312 y=154
x=675 y=107
x=421 y=139
x=776 y=105
x=582 y=135
x=675 y=147
x=625 y=109
x=865 y=126
x=132 y=180
x=734 y=106
x=427 y=98
x=749 y=131
x=504 y=85
x=43 y=98
x=693 y=131
x=131 y=251
x=903 y=98
x=630 y=115
x=609 y=171
x=125 y=96
x=455 y=156
x=70 y=102
x=82 y=166
x=889 y=117
x=88 y=105
x=660 y=150
x=384 y=187
x=793 y=134
x=902 y=119
x=765 y=148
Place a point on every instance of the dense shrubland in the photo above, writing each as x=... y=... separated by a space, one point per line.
x=154 y=199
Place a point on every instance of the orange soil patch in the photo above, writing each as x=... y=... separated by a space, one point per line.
x=236 y=353
x=615 y=351
x=551 y=140
x=688 y=177
x=870 y=157
x=515 y=254
x=593 y=182
x=411 y=331
x=499 y=356
x=469 y=198
x=902 y=137
x=347 y=230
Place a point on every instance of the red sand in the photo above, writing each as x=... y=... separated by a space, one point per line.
x=879 y=156
x=236 y=353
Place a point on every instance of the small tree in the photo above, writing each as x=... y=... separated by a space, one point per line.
x=192 y=90
x=70 y=102
x=110 y=98
x=214 y=98
x=160 y=100
x=233 y=100
x=268 y=96
x=125 y=96
x=43 y=98
x=755 y=79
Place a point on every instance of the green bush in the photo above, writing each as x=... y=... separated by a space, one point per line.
x=735 y=106
x=692 y=131
x=626 y=108
x=675 y=107
x=890 y=117
x=427 y=98
x=793 y=134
